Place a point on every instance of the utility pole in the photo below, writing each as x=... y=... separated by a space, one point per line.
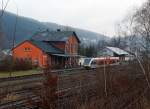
x=105 y=76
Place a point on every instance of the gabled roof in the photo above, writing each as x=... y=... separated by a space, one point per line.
x=46 y=47
x=54 y=36
x=118 y=51
x=7 y=52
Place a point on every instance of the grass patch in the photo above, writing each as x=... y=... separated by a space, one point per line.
x=19 y=73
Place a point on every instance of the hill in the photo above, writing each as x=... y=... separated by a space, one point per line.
x=27 y=26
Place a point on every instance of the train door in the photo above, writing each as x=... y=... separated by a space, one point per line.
x=93 y=64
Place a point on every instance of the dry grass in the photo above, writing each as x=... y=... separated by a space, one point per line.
x=19 y=73
x=124 y=87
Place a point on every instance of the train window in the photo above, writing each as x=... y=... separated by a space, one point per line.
x=93 y=62
x=87 y=61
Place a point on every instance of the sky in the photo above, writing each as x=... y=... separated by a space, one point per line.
x=100 y=16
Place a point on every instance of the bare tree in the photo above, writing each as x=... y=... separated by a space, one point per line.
x=116 y=41
x=3 y=7
x=141 y=25
x=101 y=44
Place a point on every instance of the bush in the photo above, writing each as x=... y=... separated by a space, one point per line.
x=5 y=64
x=22 y=65
x=8 y=64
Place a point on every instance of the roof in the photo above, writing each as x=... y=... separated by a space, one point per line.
x=66 y=55
x=118 y=51
x=46 y=47
x=54 y=36
x=7 y=52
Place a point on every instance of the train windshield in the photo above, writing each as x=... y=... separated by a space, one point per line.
x=93 y=62
x=87 y=61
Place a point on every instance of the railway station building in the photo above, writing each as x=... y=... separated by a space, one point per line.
x=55 y=49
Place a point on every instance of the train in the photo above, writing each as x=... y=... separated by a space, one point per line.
x=93 y=63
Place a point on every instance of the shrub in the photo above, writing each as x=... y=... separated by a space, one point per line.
x=5 y=64
x=22 y=64
x=8 y=64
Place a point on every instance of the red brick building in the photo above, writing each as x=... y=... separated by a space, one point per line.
x=56 y=49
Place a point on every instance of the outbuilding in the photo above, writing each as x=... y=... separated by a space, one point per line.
x=114 y=52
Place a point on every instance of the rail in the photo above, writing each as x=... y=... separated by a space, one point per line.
x=69 y=83
x=23 y=86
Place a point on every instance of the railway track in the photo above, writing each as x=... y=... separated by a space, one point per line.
x=62 y=72
x=24 y=85
x=70 y=82
x=27 y=95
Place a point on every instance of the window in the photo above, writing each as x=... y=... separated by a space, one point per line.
x=75 y=48
x=66 y=48
x=36 y=61
x=45 y=60
x=93 y=63
x=27 y=49
x=87 y=61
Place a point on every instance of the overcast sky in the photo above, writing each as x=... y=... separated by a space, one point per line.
x=96 y=15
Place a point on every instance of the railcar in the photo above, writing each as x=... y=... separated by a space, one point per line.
x=97 y=62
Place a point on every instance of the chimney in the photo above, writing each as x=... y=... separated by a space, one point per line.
x=47 y=30
x=58 y=29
